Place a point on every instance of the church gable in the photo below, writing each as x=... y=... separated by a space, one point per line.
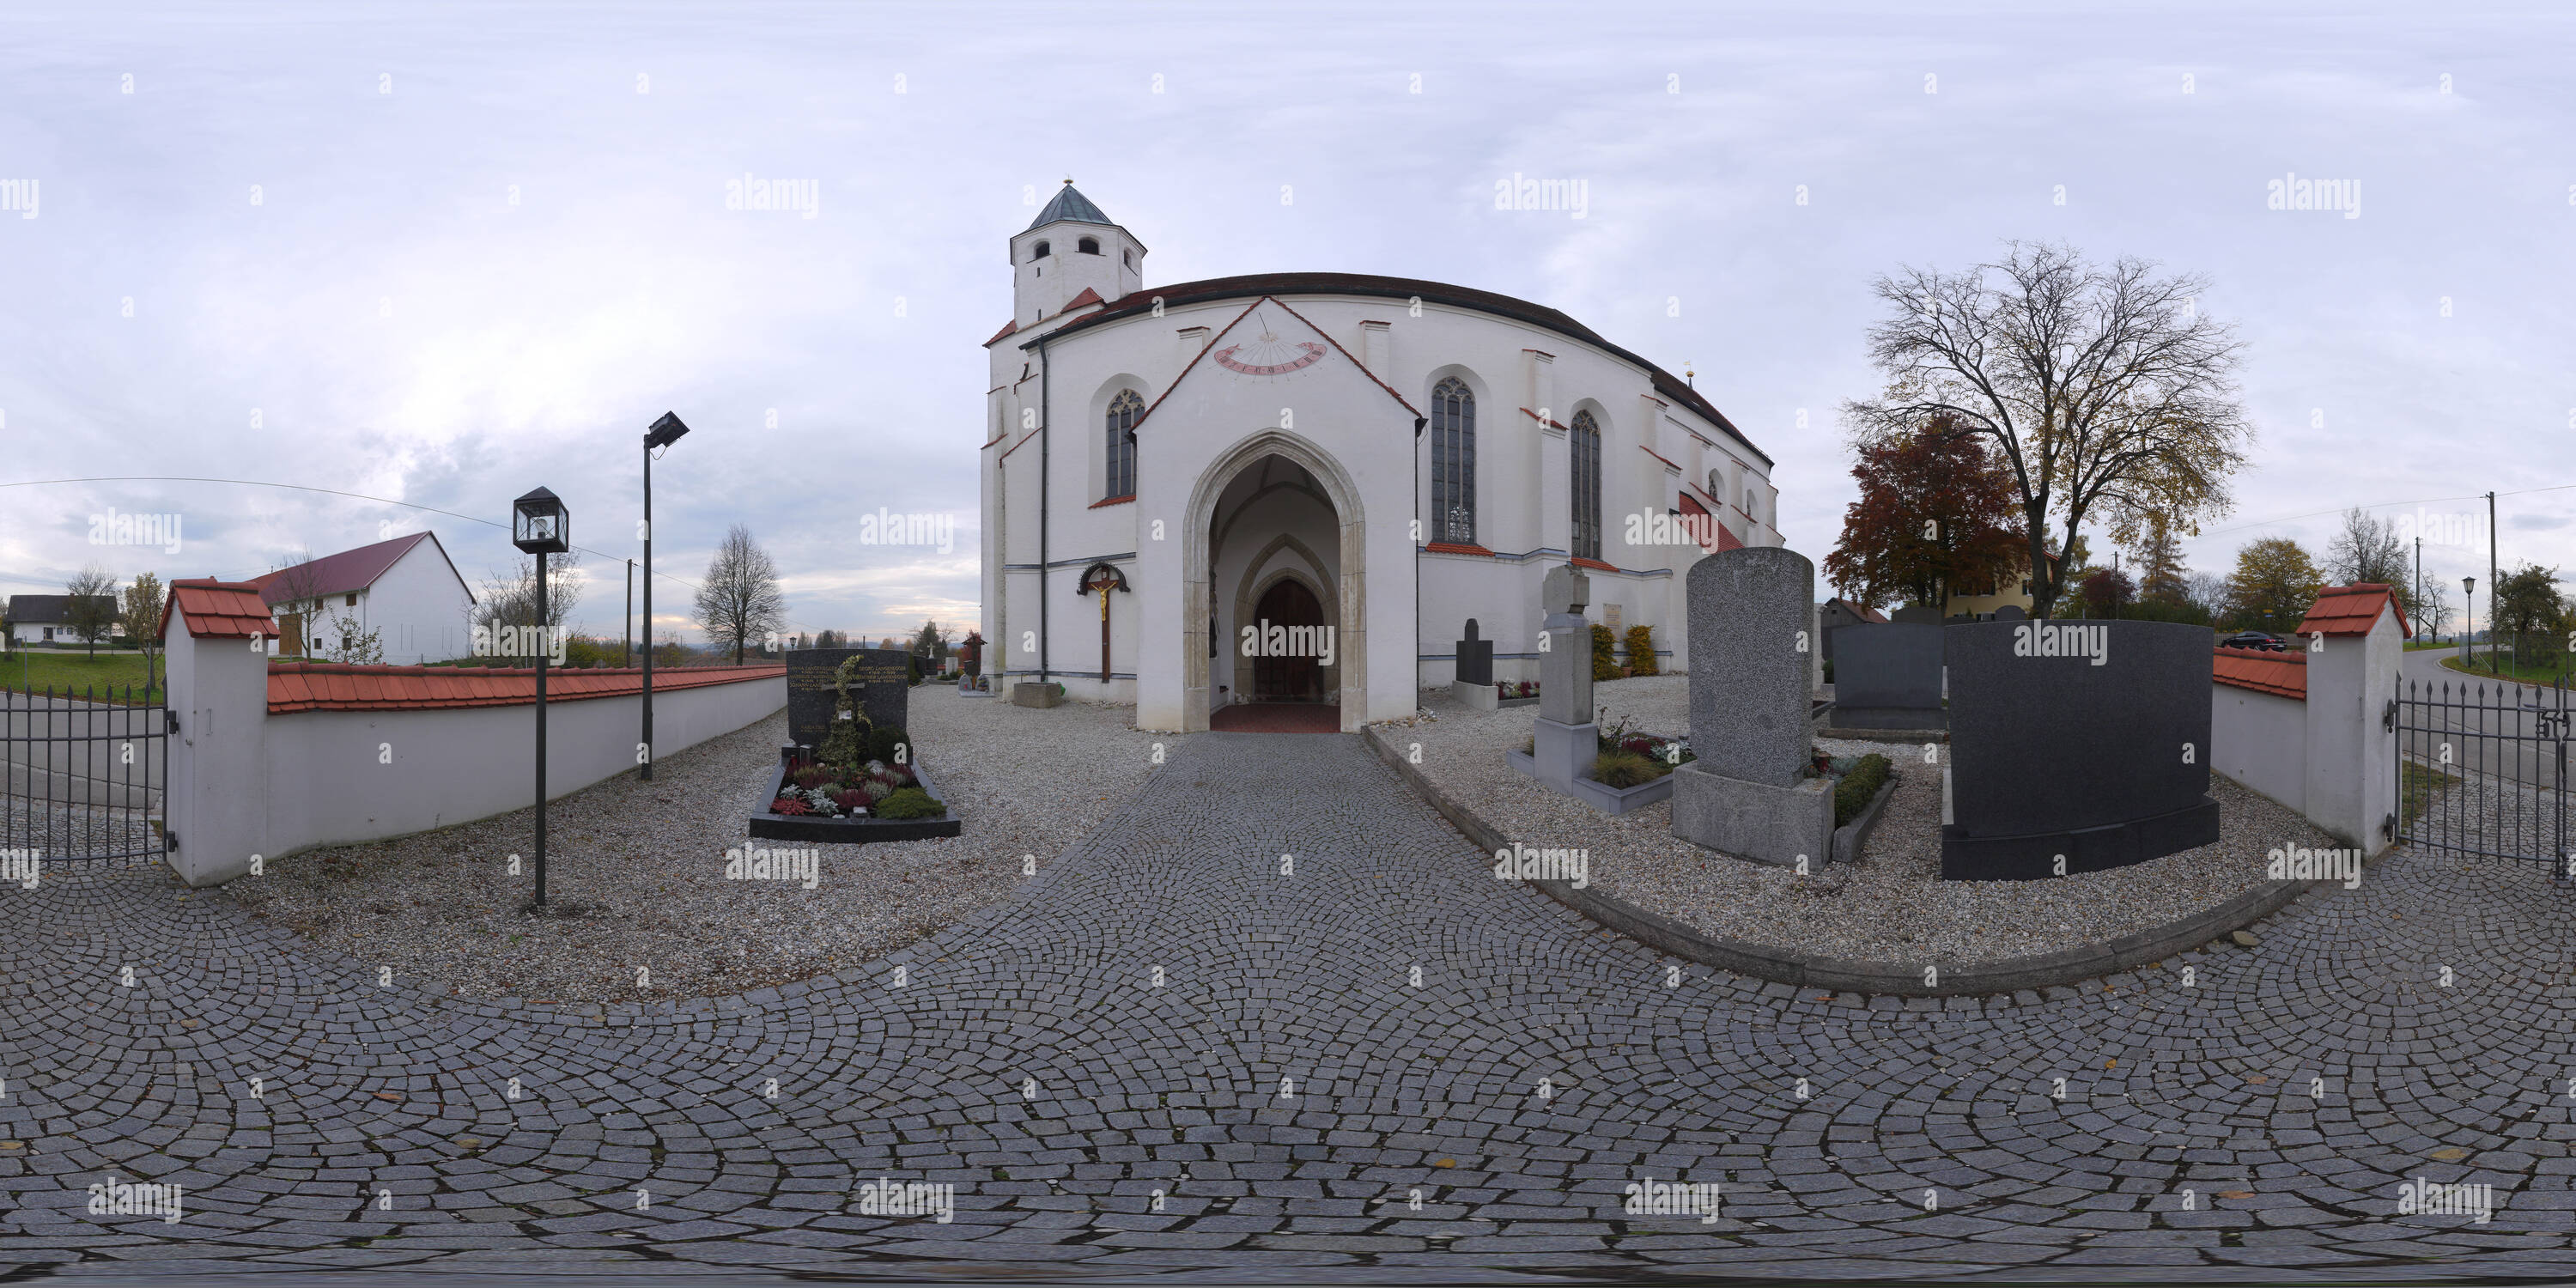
x=1269 y=339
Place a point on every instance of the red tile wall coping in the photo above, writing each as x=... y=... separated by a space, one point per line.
x=325 y=686
x=2281 y=674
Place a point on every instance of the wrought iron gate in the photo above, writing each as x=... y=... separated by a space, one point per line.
x=2482 y=769
x=82 y=777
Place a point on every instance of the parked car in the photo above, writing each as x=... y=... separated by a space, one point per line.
x=2255 y=640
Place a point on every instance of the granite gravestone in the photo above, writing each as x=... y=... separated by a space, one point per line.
x=1887 y=676
x=2011 y=613
x=2087 y=740
x=1475 y=657
x=1749 y=793
x=1911 y=614
x=1564 y=741
x=881 y=690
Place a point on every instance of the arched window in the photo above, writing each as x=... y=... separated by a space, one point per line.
x=1038 y=251
x=1123 y=411
x=1087 y=245
x=1453 y=462
x=1585 y=440
x=1749 y=512
x=1127 y=256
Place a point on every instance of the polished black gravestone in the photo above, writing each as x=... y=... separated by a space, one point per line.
x=2086 y=742
x=1475 y=657
x=1887 y=676
x=881 y=690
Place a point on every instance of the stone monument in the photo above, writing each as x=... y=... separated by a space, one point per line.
x=1474 y=684
x=1887 y=679
x=1565 y=739
x=880 y=691
x=1751 y=792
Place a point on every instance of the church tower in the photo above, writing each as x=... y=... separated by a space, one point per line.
x=1070 y=249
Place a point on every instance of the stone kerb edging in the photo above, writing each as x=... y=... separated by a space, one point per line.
x=1839 y=974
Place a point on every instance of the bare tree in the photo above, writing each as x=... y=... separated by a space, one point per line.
x=92 y=610
x=2367 y=549
x=2435 y=615
x=510 y=598
x=2104 y=388
x=2208 y=592
x=741 y=600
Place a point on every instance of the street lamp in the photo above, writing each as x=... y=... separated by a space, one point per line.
x=2468 y=620
x=663 y=433
x=540 y=526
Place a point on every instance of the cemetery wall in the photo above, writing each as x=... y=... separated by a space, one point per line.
x=2261 y=740
x=340 y=777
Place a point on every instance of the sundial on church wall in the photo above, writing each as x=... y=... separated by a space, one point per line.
x=1266 y=354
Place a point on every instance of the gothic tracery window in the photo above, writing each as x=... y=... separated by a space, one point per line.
x=1585 y=442
x=1453 y=462
x=1123 y=411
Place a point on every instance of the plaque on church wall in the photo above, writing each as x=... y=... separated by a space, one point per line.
x=881 y=689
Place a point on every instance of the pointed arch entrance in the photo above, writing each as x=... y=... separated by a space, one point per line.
x=1273 y=484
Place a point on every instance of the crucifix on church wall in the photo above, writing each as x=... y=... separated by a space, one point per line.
x=1100 y=579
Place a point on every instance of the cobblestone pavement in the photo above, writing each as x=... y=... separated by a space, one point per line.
x=1288 y=1100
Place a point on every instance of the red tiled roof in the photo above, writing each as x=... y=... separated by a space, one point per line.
x=2350 y=610
x=223 y=610
x=1007 y=328
x=335 y=687
x=1457 y=548
x=1088 y=297
x=1658 y=456
x=1549 y=423
x=346 y=571
x=2285 y=674
x=1112 y=500
x=1581 y=562
x=1725 y=538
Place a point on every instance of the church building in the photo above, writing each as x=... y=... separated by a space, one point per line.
x=1298 y=487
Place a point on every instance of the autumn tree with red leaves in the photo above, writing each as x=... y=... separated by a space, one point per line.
x=1936 y=510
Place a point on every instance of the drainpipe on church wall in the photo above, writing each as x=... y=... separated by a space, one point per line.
x=1046 y=444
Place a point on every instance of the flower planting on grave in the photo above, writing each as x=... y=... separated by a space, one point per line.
x=1628 y=759
x=864 y=782
x=1509 y=689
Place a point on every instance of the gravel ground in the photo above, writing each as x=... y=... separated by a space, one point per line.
x=1890 y=905
x=641 y=866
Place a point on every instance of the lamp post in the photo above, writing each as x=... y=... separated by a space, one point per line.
x=2468 y=621
x=663 y=433
x=540 y=526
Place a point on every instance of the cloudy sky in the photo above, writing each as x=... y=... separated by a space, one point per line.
x=441 y=254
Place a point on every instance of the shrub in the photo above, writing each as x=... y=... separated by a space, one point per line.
x=1605 y=662
x=789 y=805
x=846 y=744
x=1626 y=769
x=882 y=741
x=876 y=789
x=851 y=798
x=813 y=776
x=911 y=802
x=1854 y=792
x=1829 y=670
x=1641 y=650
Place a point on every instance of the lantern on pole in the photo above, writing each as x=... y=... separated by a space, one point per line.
x=539 y=525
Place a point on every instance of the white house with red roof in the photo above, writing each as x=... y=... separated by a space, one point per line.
x=1380 y=456
x=407 y=590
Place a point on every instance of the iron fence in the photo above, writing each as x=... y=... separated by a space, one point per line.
x=2482 y=768
x=82 y=775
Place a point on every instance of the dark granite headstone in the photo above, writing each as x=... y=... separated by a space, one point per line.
x=1475 y=657
x=1887 y=676
x=2052 y=754
x=1916 y=615
x=881 y=690
x=2011 y=613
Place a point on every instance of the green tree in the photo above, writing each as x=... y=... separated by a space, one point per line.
x=2274 y=585
x=142 y=622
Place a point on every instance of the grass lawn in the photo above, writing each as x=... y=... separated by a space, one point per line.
x=2502 y=666
x=33 y=670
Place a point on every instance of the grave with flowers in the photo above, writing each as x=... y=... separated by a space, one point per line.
x=850 y=773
